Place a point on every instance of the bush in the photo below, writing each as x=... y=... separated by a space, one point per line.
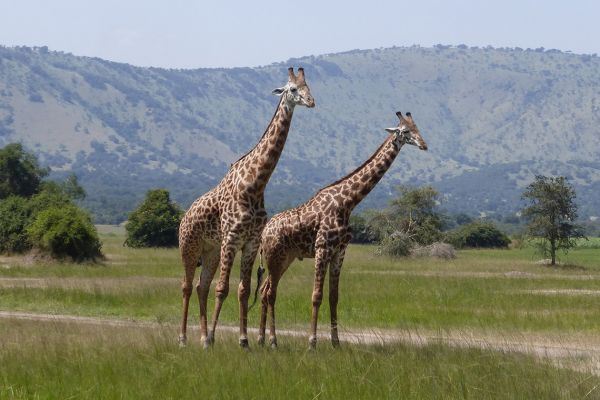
x=398 y=244
x=478 y=235
x=362 y=232
x=155 y=223
x=64 y=232
x=437 y=249
x=15 y=215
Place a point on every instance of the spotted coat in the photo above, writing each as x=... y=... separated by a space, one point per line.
x=320 y=229
x=231 y=217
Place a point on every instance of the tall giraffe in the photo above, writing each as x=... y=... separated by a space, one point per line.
x=319 y=229
x=232 y=216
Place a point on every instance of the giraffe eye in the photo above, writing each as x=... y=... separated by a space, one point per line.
x=293 y=90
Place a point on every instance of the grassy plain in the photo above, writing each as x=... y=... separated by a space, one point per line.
x=56 y=360
x=499 y=292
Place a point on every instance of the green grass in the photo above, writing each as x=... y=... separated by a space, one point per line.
x=481 y=289
x=63 y=360
x=495 y=292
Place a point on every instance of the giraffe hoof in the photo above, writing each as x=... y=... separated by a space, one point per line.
x=182 y=341
x=261 y=340
x=273 y=343
x=244 y=343
x=208 y=341
x=312 y=343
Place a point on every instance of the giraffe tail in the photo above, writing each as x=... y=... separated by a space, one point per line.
x=259 y=274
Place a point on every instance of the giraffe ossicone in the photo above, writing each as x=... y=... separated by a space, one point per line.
x=231 y=217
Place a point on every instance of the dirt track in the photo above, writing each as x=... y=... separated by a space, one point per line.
x=580 y=354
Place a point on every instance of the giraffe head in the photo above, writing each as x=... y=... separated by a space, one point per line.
x=296 y=91
x=407 y=132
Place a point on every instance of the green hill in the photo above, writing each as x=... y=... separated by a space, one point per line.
x=492 y=118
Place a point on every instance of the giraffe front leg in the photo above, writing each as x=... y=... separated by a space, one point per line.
x=248 y=256
x=228 y=250
x=335 y=270
x=321 y=259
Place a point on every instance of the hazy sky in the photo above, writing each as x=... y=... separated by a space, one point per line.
x=221 y=33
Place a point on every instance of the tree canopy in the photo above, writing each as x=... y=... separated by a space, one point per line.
x=551 y=214
x=155 y=223
x=20 y=173
x=42 y=214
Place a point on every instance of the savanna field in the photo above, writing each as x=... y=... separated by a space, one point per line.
x=487 y=324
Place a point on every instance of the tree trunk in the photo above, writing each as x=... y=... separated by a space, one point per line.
x=553 y=252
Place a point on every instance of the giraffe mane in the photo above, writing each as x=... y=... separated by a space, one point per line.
x=263 y=135
x=359 y=167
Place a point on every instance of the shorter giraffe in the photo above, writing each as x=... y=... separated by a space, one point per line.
x=319 y=229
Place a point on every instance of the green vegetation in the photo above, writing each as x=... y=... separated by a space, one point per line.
x=492 y=292
x=57 y=360
x=551 y=215
x=478 y=234
x=362 y=231
x=155 y=223
x=15 y=213
x=499 y=290
x=20 y=174
x=42 y=215
x=410 y=220
x=65 y=232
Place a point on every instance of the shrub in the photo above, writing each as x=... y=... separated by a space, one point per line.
x=398 y=244
x=155 y=223
x=478 y=235
x=15 y=214
x=51 y=195
x=437 y=249
x=413 y=212
x=362 y=232
x=64 y=232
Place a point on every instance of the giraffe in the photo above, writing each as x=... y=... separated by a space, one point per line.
x=319 y=229
x=231 y=217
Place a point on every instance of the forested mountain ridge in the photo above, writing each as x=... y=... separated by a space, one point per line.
x=492 y=118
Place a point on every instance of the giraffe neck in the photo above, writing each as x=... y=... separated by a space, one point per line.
x=258 y=165
x=358 y=184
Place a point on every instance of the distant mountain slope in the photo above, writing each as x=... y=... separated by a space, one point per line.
x=493 y=118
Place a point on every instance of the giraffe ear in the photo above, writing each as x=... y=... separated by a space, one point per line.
x=278 y=91
x=392 y=130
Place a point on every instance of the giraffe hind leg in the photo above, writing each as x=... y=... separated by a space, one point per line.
x=186 y=288
x=210 y=264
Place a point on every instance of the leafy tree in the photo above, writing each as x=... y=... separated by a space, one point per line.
x=155 y=223
x=551 y=214
x=20 y=174
x=478 y=234
x=34 y=213
x=65 y=231
x=72 y=188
